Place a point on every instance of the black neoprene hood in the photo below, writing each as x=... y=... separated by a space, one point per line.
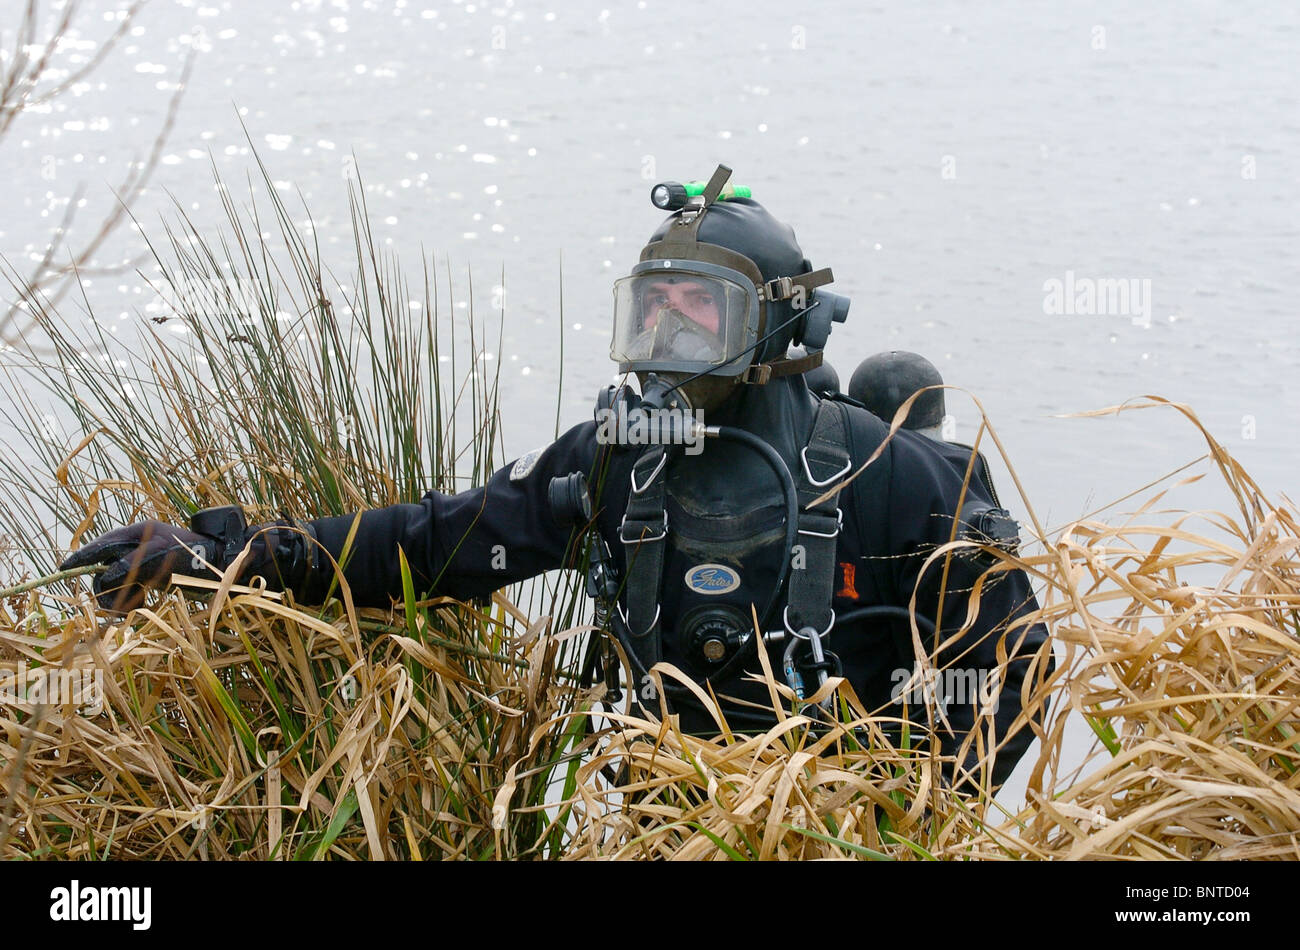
x=744 y=226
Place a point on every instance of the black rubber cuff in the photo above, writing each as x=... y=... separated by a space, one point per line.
x=287 y=555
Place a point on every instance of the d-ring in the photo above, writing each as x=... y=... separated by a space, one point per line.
x=785 y=618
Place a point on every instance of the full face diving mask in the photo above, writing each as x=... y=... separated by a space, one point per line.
x=704 y=308
x=683 y=317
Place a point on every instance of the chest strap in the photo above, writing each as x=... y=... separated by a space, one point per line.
x=824 y=460
x=644 y=533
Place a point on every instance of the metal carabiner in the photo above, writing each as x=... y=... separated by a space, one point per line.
x=793 y=678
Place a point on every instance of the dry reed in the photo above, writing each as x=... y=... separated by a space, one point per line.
x=249 y=728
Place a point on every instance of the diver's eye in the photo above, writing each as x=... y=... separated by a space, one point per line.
x=656 y=301
x=704 y=300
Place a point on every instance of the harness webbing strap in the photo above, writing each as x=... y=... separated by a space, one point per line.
x=784 y=366
x=812 y=574
x=783 y=288
x=644 y=534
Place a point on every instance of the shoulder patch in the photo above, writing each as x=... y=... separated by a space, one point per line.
x=525 y=464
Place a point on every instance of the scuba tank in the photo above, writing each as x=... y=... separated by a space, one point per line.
x=882 y=383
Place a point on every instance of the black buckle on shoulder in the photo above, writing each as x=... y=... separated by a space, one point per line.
x=822 y=483
x=817 y=519
x=643 y=525
x=640 y=489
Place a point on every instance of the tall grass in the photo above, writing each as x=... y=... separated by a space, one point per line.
x=294 y=394
x=1192 y=688
x=258 y=377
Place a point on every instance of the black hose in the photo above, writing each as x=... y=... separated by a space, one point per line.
x=749 y=648
x=925 y=624
x=782 y=471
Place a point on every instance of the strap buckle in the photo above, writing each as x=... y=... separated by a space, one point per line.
x=848 y=464
x=820 y=658
x=640 y=489
x=839 y=526
x=623 y=615
x=807 y=633
x=779 y=288
x=622 y=532
x=694 y=206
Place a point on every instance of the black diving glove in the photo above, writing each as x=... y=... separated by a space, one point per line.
x=143 y=556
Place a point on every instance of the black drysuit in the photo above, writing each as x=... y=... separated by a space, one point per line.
x=896 y=512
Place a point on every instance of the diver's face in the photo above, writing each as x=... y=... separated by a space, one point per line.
x=693 y=299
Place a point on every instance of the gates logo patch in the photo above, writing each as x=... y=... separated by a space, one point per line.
x=712 y=579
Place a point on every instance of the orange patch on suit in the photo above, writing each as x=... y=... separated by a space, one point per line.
x=849 y=573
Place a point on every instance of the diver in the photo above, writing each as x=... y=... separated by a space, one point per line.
x=776 y=536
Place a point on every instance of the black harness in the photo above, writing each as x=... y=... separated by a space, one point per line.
x=808 y=614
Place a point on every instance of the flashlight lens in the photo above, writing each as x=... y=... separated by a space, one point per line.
x=660 y=196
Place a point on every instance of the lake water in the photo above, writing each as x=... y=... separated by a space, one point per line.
x=949 y=163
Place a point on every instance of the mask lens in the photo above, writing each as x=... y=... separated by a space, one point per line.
x=672 y=335
x=678 y=320
x=700 y=301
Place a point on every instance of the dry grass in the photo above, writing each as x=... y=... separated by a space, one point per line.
x=1191 y=688
x=229 y=730
x=252 y=729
